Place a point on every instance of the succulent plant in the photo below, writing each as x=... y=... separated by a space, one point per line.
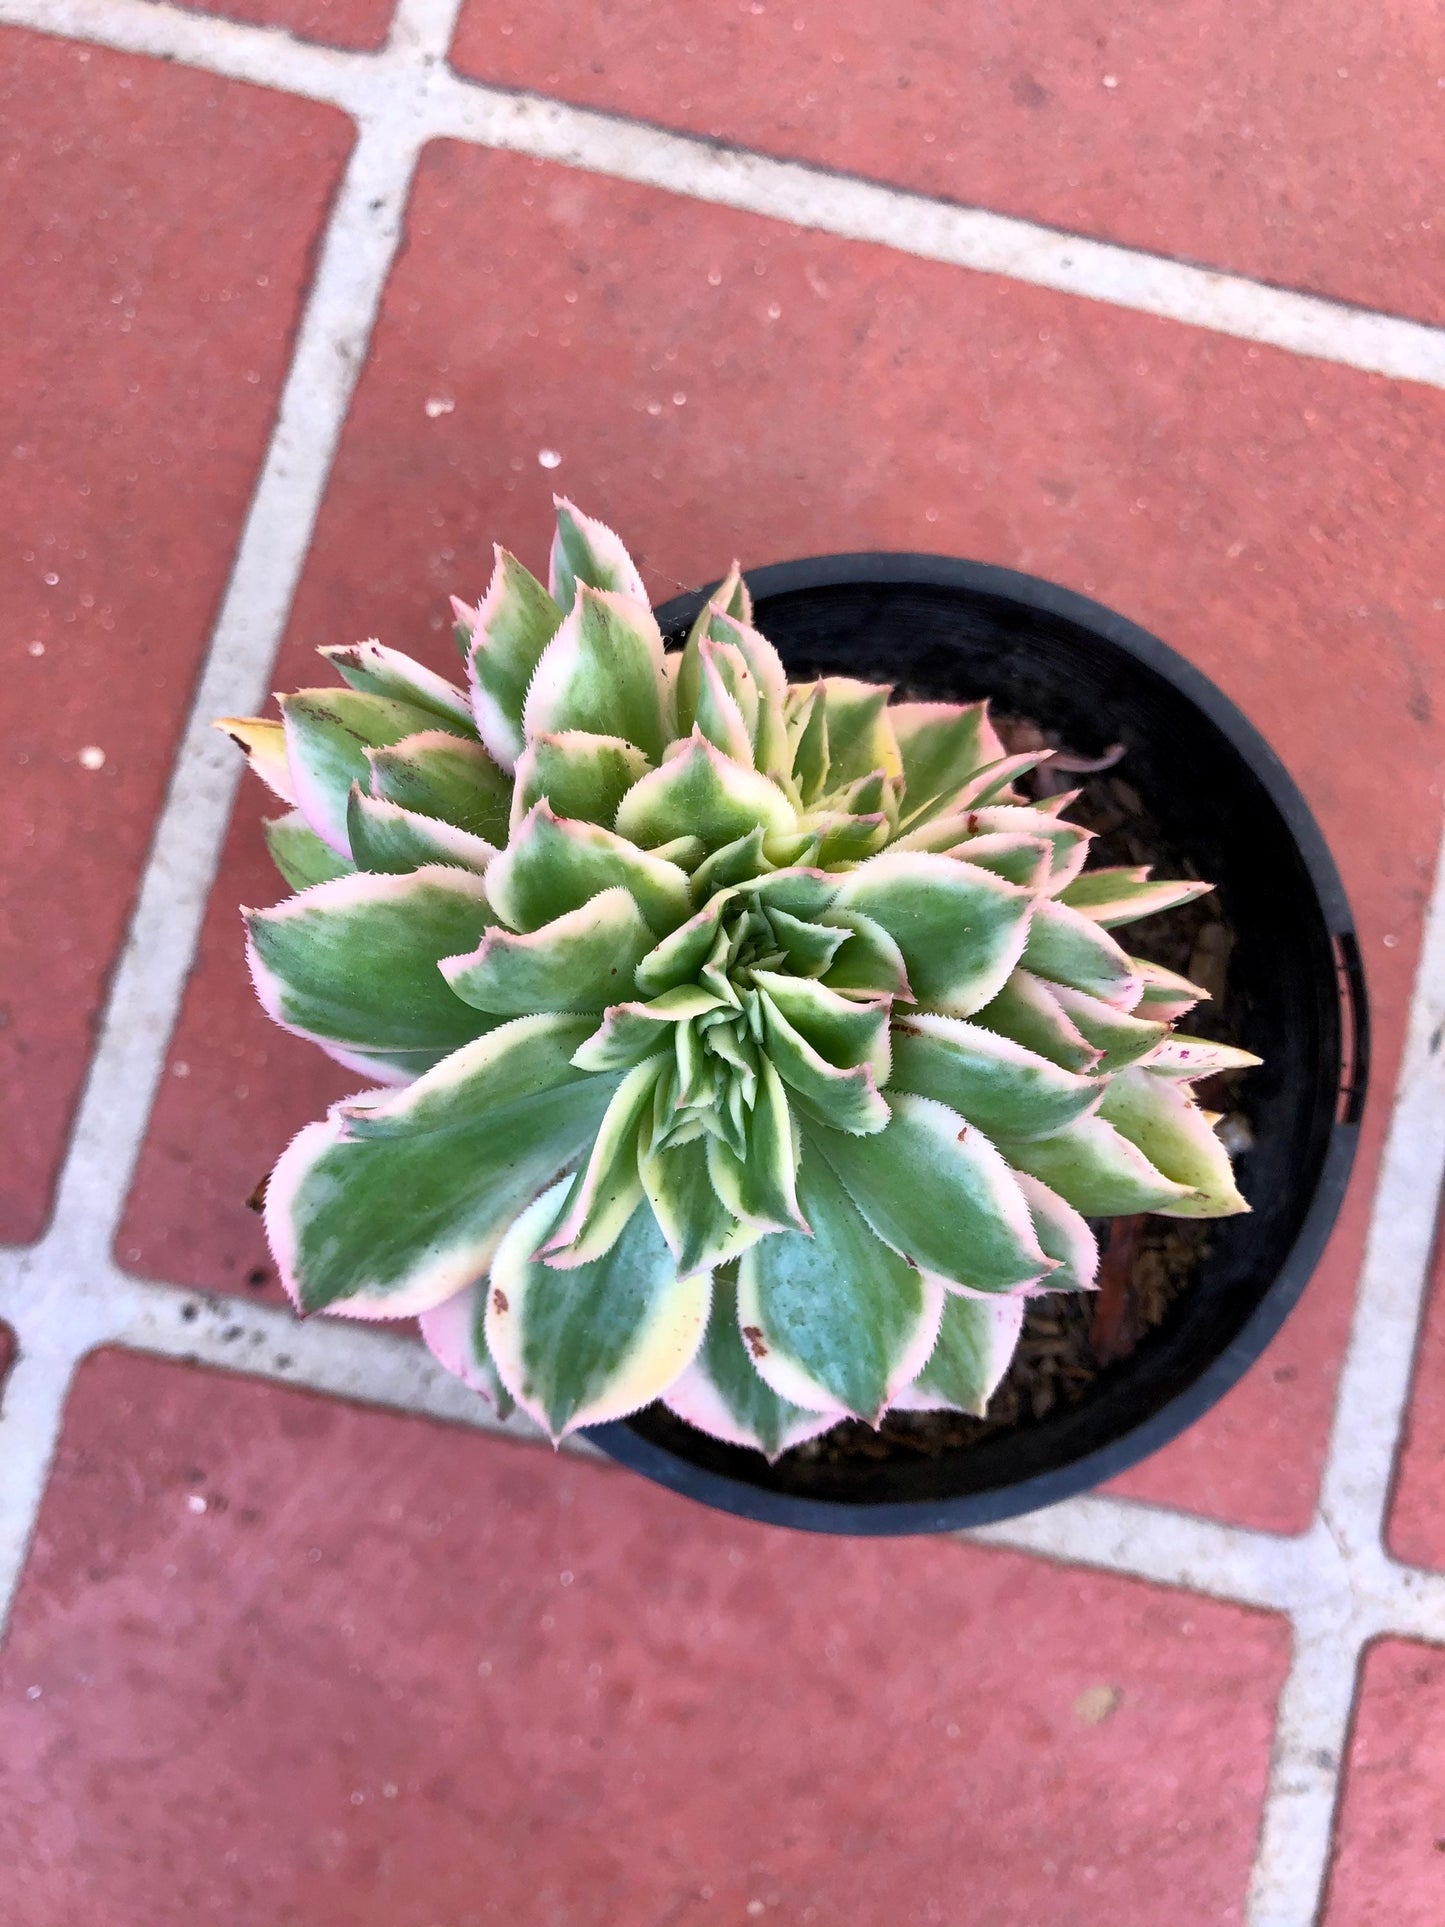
x=750 y=1045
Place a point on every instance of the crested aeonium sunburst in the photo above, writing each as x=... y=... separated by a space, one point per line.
x=751 y=1045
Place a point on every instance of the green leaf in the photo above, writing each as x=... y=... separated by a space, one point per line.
x=328 y=732
x=389 y=840
x=808 y=733
x=736 y=862
x=956 y=832
x=387 y=672
x=583 y=960
x=602 y=673
x=1024 y=860
x=608 y=1188
x=1166 y=995
x=1162 y=1120
x=553 y=865
x=701 y=792
x=579 y=1347
x=513 y=1062
x=299 y=854
x=760 y=1187
x=810 y=947
x=869 y=963
x=387 y=1227
x=726 y=711
x=1066 y=947
x=960 y=930
x=1116 y=896
x=516 y=621
x=436 y=774
x=581 y=776
x=1187 y=1058
x=722 y=1395
x=843 y=1099
x=835 y=1322
x=844 y=1031
x=633 y=1032
x=942 y=745
x=941 y=1194
x=999 y=1085
x=1096 y=1170
x=588 y=552
x=699 y=1228
x=1122 y=1038
x=264 y=744
x=354 y=962
x=454 y=1332
x=977 y=1339
x=772 y=751
x=1064 y=1234
x=860 y=732
x=1029 y=1011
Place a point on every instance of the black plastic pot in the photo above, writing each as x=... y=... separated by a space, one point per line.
x=960 y=630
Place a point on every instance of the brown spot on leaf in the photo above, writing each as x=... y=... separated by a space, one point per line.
x=753 y=1334
x=257 y=1199
x=963 y=1134
x=499 y=1301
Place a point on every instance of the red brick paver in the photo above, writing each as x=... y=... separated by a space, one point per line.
x=361 y=24
x=287 y=1661
x=156 y=246
x=718 y=385
x=1417 y=1515
x=1389 y=1866
x=1297 y=142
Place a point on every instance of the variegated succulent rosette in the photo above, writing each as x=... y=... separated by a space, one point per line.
x=749 y=1045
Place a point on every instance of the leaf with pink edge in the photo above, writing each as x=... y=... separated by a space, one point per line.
x=354 y=962
x=299 y=854
x=631 y=1033
x=388 y=840
x=511 y=629
x=961 y=930
x=328 y=734
x=586 y=553
x=609 y=1186
x=602 y=673
x=1166 y=995
x=1028 y=1011
x=836 y=1322
x=938 y=1191
x=387 y=1227
x=993 y=1082
x=701 y=792
x=1064 y=1234
x=579 y=1347
x=380 y=671
x=580 y=961
x=1187 y=1058
x=553 y=865
x=1158 y=1115
x=437 y=774
x=454 y=1332
x=941 y=745
x=264 y=744
x=846 y=1098
x=700 y=1229
x=721 y=1394
x=1066 y=947
x=581 y=776
x=977 y=1338
x=1115 y=896
x=1096 y=1170
x=1122 y=1036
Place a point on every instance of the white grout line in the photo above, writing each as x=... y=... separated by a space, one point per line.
x=448 y=107
x=1371 y=1408
x=1336 y=1582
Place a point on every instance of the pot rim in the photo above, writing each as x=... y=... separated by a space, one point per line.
x=891 y=1517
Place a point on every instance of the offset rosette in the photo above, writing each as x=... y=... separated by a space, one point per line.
x=752 y=1045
